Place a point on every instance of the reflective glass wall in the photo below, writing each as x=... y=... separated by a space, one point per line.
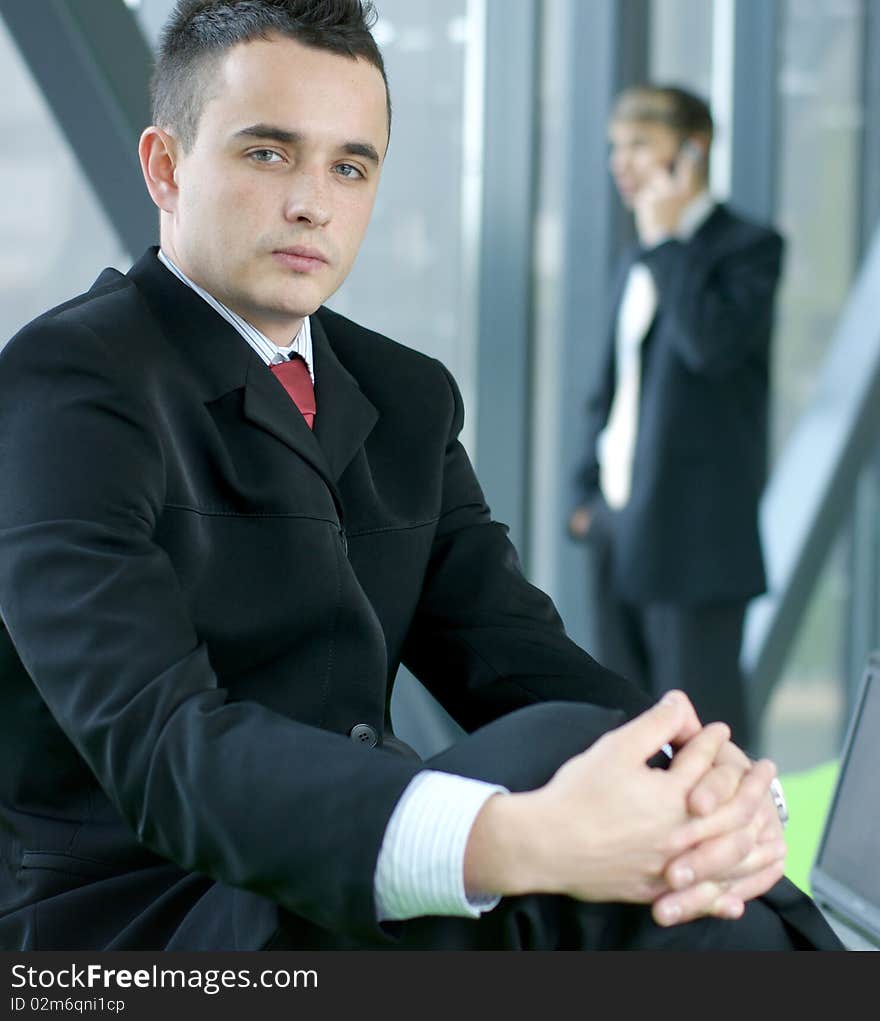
x=680 y=48
x=54 y=237
x=820 y=115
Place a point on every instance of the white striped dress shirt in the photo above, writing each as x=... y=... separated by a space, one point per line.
x=616 y=444
x=269 y=352
x=420 y=869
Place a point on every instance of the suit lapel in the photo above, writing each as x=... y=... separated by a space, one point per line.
x=344 y=416
x=703 y=238
x=268 y=406
x=709 y=230
x=217 y=357
x=343 y=419
x=222 y=361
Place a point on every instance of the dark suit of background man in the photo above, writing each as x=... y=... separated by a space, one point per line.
x=677 y=432
x=229 y=514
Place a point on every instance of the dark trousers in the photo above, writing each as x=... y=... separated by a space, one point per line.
x=522 y=751
x=662 y=646
x=559 y=923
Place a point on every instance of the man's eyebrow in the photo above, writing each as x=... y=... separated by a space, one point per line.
x=272 y=133
x=361 y=149
x=269 y=131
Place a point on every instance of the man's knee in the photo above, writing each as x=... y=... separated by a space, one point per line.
x=523 y=749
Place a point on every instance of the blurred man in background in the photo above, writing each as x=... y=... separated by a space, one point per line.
x=677 y=431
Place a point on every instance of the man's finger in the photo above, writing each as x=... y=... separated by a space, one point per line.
x=714 y=859
x=730 y=856
x=686 y=905
x=696 y=758
x=758 y=883
x=741 y=810
x=664 y=723
x=684 y=174
x=715 y=788
x=732 y=755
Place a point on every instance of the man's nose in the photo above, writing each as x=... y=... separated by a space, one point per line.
x=308 y=200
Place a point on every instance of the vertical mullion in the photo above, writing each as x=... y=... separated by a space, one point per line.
x=604 y=46
x=505 y=259
x=754 y=114
x=863 y=632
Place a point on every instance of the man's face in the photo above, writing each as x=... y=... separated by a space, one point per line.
x=275 y=195
x=638 y=150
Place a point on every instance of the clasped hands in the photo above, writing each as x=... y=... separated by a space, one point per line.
x=698 y=838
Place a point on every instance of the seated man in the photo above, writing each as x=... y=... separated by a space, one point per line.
x=229 y=514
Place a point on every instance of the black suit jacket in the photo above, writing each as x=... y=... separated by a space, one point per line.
x=201 y=598
x=689 y=532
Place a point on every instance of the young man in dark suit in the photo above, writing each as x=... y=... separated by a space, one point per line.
x=677 y=430
x=229 y=514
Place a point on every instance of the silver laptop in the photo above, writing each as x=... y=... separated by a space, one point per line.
x=845 y=878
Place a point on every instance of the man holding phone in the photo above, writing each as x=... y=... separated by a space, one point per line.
x=677 y=427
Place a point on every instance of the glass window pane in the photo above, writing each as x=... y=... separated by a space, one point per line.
x=681 y=44
x=820 y=118
x=803 y=721
x=408 y=280
x=151 y=14
x=54 y=236
x=820 y=114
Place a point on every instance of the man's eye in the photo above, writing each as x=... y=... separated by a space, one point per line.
x=265 y=156
x=347 y=170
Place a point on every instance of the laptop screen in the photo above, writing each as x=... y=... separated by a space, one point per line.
x=847 y=868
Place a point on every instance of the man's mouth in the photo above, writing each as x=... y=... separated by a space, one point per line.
x=301 y=258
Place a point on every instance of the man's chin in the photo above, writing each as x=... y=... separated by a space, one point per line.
x=297 y=303
x=300 y=296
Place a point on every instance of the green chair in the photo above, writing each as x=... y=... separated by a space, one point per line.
x=808 y=794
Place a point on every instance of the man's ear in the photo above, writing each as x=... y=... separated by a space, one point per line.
x=159 y=153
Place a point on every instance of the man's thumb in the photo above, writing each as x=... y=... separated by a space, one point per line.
x=667 y=722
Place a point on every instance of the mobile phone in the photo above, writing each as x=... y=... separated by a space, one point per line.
x=689 y=150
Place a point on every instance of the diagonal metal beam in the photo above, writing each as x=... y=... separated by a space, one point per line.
x=93 y=65
x=813 y=487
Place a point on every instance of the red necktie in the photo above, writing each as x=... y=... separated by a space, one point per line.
x=294 y=376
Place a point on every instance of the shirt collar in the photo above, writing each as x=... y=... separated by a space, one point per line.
x=269 y=352
x=694 y=215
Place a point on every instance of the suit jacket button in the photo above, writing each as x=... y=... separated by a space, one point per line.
x=363 y=733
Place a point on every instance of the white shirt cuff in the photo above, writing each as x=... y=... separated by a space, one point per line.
x=420 y=869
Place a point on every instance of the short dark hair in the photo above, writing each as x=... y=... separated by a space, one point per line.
x=675 y=107
x=199 y=32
